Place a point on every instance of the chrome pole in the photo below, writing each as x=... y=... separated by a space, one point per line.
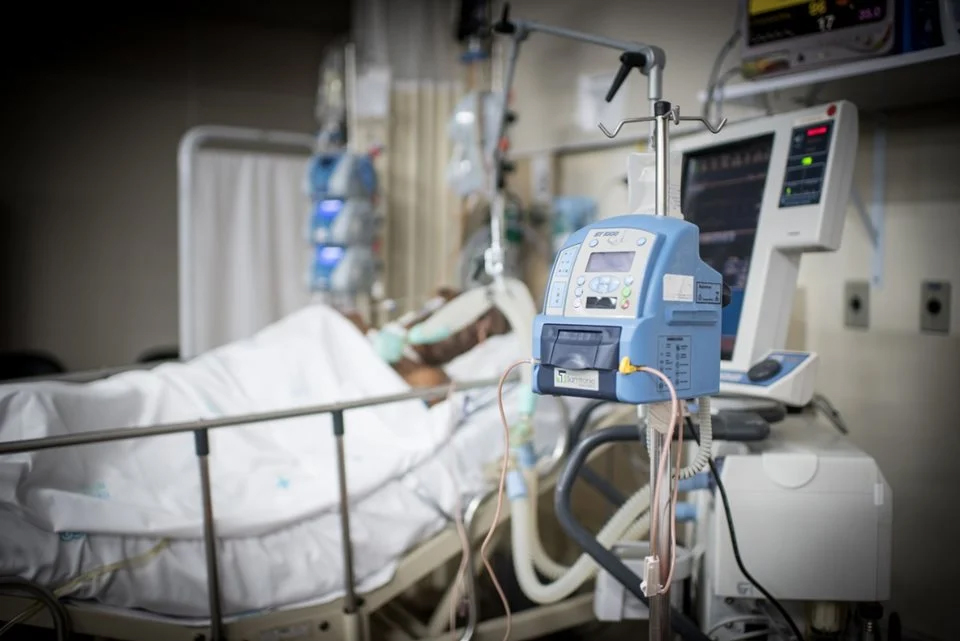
x=661 y=114
x=660 y=540
x=660 y=602
x=202 y=442
x=350 y=599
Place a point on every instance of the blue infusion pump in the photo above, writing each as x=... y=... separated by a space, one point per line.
x=630 y=287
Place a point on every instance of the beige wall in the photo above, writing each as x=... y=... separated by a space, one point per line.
x=88 y=189
x=896 y=388
x=689 y=31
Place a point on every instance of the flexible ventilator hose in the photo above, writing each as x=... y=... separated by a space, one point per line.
x=542 y=561
x=624 y=525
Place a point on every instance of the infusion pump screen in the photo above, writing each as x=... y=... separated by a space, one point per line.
x=722 y=193
x=617 y=262
x=776 y=20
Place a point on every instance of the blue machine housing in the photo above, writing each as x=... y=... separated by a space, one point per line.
x=669 y=319
x=341 y=175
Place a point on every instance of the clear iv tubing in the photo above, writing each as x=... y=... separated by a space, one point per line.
x=705 y=449
x=661 y=471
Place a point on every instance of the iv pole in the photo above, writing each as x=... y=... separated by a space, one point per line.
x=650 y=61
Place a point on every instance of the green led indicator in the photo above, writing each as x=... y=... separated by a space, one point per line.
x=789 y=190
x=807 y=161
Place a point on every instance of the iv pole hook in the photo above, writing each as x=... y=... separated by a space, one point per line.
x=674 y=116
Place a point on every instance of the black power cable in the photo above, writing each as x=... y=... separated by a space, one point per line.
x=733 y=541
x=823 y=404
x=59 y=614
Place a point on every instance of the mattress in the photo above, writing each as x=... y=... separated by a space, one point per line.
x=66 y=513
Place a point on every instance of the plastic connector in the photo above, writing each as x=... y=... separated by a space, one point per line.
x=521 y=433
x=528 y=402
x=686 y=512
x=651 y=577
x=626 y=367
x=525 y=456
x=504 y=25
x=628 y=60
x=516 y=485
x=419 y=336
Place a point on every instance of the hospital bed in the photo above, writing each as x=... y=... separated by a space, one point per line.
x=343 y=600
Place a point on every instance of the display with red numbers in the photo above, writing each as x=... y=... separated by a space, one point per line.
x=776 y=20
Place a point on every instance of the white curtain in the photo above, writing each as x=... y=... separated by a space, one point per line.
x=415 y=39
x=249 y=251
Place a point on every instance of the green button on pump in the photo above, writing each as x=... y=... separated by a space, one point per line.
x=626 y=292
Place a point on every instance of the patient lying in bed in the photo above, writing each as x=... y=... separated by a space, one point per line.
x=428 y=372
x=66 y=513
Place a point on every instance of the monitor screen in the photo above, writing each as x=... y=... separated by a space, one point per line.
x=778 y=20
x=328 y=255
x=610 y=262
x=722 y=193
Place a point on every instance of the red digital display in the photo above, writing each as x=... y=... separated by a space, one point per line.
x=816 y=131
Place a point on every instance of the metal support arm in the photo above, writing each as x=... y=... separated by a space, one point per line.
x=649 y=59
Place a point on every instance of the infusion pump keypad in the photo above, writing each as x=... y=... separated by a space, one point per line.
x=600 y=277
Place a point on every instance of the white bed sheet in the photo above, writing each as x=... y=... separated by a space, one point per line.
x=69 y=511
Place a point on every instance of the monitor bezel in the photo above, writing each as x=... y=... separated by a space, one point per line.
x=783 y=234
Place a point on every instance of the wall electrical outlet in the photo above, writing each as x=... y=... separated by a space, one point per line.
x=935 y=307
x=856 y=304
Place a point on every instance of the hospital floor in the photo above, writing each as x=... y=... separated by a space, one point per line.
x=626 y=631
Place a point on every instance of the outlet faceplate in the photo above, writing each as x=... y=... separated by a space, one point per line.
x=856 y=304
x=935 y=307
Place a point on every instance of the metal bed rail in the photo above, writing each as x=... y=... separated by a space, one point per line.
x=200 y=430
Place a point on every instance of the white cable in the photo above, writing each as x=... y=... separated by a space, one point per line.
x=705 y=449
x=744 y=618
x=756 y=634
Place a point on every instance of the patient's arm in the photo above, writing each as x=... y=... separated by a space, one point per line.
x=421 y=376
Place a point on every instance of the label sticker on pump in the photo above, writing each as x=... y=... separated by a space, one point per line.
x=581 y=379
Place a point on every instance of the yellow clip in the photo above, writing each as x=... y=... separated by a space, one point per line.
x=626 y=367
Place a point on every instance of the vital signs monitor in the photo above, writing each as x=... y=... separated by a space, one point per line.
x=763 y=192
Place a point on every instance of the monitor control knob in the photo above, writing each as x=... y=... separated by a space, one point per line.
x=764 y=370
